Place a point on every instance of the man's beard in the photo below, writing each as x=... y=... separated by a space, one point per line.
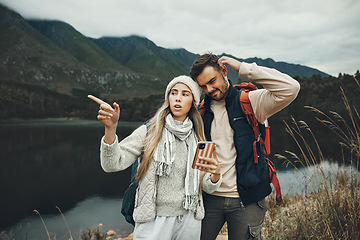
x=221 y=92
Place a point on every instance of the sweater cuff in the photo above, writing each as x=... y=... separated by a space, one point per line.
x=245 y=69
x=211 y=187
x=108 y=149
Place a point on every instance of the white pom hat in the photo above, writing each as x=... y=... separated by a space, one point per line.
x=188 y=81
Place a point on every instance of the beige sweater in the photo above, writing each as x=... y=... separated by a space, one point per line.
x=279 y=91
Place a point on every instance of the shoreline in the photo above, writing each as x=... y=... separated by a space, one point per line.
x=63 y=122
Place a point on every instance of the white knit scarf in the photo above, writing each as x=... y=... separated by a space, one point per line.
x=164 y=156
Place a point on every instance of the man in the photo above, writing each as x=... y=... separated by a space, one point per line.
x=240 y=199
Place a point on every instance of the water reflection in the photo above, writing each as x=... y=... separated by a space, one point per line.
x=306 y=180
x=94 y=212
x=49 y=163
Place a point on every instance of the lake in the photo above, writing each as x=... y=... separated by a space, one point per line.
x=55 y=163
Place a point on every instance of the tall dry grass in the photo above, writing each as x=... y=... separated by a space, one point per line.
x=331 y=207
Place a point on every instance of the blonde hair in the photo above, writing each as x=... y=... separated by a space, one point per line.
x=155 y=130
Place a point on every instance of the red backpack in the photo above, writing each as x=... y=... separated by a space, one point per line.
x=249 y=114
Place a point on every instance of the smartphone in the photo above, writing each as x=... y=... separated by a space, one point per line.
x=204 y=149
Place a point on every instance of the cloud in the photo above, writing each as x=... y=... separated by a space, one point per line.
x=323 y=34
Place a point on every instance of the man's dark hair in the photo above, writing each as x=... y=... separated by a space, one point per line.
x=203 y=61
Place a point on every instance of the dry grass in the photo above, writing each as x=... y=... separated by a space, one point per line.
x=332 y=208
x=47 y=232
x=316 y=216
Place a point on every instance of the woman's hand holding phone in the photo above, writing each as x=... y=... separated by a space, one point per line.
x=206 y=160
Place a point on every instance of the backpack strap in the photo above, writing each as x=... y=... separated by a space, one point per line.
x=136 y=164
x=275 y=181
x=267 y=139
x=250 y=116
x=128 y=202
x=134 y=168
x=202 y=108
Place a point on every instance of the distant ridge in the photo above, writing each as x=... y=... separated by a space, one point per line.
x=54 y=55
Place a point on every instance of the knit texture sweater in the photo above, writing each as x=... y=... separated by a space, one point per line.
x=170 y=189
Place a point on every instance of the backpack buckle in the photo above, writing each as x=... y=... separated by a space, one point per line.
x=258 y=137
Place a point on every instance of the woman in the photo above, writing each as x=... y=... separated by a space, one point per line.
x=168 y=202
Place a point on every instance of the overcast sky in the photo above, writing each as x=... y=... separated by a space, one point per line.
x=323 y=34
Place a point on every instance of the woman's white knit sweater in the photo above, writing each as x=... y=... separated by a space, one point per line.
x=170 y=190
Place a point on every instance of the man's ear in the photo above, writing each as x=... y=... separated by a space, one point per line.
x=224 y=70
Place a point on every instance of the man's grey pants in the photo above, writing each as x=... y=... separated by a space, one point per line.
x=242 y=222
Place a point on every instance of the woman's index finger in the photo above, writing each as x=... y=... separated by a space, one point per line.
x=98 y=100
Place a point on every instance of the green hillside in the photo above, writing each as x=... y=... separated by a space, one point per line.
x=76 y=44
x=142 y=55
x=24 y=52
x=64 y=61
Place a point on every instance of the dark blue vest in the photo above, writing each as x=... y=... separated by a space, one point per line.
x=253 y=182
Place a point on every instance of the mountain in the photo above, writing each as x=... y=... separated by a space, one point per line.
x=57 y=58
x=55 y=55
x=76 y=44
x=25 y=53
x=288 y=68
x=142 y=55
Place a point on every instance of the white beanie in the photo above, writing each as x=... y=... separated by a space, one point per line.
x=188 y=81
